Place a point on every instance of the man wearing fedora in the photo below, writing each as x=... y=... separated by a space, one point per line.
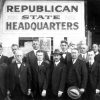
x=58 y=75
x=93 y=84
x=78 y=72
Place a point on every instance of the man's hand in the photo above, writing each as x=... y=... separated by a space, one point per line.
x=8 y=93
x=60 y=93
x=29 y=92
x=82 y=90
x=97 y=91
x=43 y=94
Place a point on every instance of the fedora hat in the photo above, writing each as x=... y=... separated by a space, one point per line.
x=74 y=92
x=57 y=52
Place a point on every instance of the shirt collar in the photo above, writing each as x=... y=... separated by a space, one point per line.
x=84 y=55
x=40 y=62
x=91 y=62
x=96 y=53
x=57 y=62
x=74 y=60
x=18 y=62
x=35 y=51
x=65 y=51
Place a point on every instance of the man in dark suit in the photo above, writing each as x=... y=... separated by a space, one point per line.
x=58 y=76
x=14 y=48
x=78 y=72
x=32 y=61
x=66 y=56
x=96 y=52
x=3 y=70
x=83 y=53
x=66 y=59
x=93 y=83
x=42 y=68
x=19 y=78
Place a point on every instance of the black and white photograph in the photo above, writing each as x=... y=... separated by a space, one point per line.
x=49 y=50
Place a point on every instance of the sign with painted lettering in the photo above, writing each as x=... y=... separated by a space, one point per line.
x=50 y=18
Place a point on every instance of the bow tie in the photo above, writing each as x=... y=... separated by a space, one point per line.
x=18 y=62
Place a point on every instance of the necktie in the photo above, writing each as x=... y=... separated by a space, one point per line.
x=83 y=56
x=18 y=65
x=39 y=63
x=73 y=61
x=90 y=64
x=64 y=55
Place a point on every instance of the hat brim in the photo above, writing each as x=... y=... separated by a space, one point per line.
x=57 y=54
x=73 y=95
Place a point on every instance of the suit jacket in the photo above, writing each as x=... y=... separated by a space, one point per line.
x=94 y=79
x=3 y=70
x=24 y=77
x=43 y=75
x=67 y=61
x=58 y=77
x=81 y=58
x=78 y=74
x=32 y=61
x=10 y=60
x=4 y=59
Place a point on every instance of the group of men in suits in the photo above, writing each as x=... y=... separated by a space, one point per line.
x=37 y=76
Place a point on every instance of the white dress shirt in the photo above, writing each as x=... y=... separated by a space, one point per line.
x=64 y=54
x=96 y=53
x=56 y=63
x=18 y=64
x=35 y=51
x=84 y=56
x=74 y=60
x=91 y=62
x=39 y=62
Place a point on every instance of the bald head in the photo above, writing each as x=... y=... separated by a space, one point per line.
x=84 y=48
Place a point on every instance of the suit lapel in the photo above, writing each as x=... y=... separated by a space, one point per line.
x=76 y=64
x=14 y=67
x=32 y=55
x=22 y=67
x=42 y=66
x=93 y=66
x=80 y=56
x=59 y=65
